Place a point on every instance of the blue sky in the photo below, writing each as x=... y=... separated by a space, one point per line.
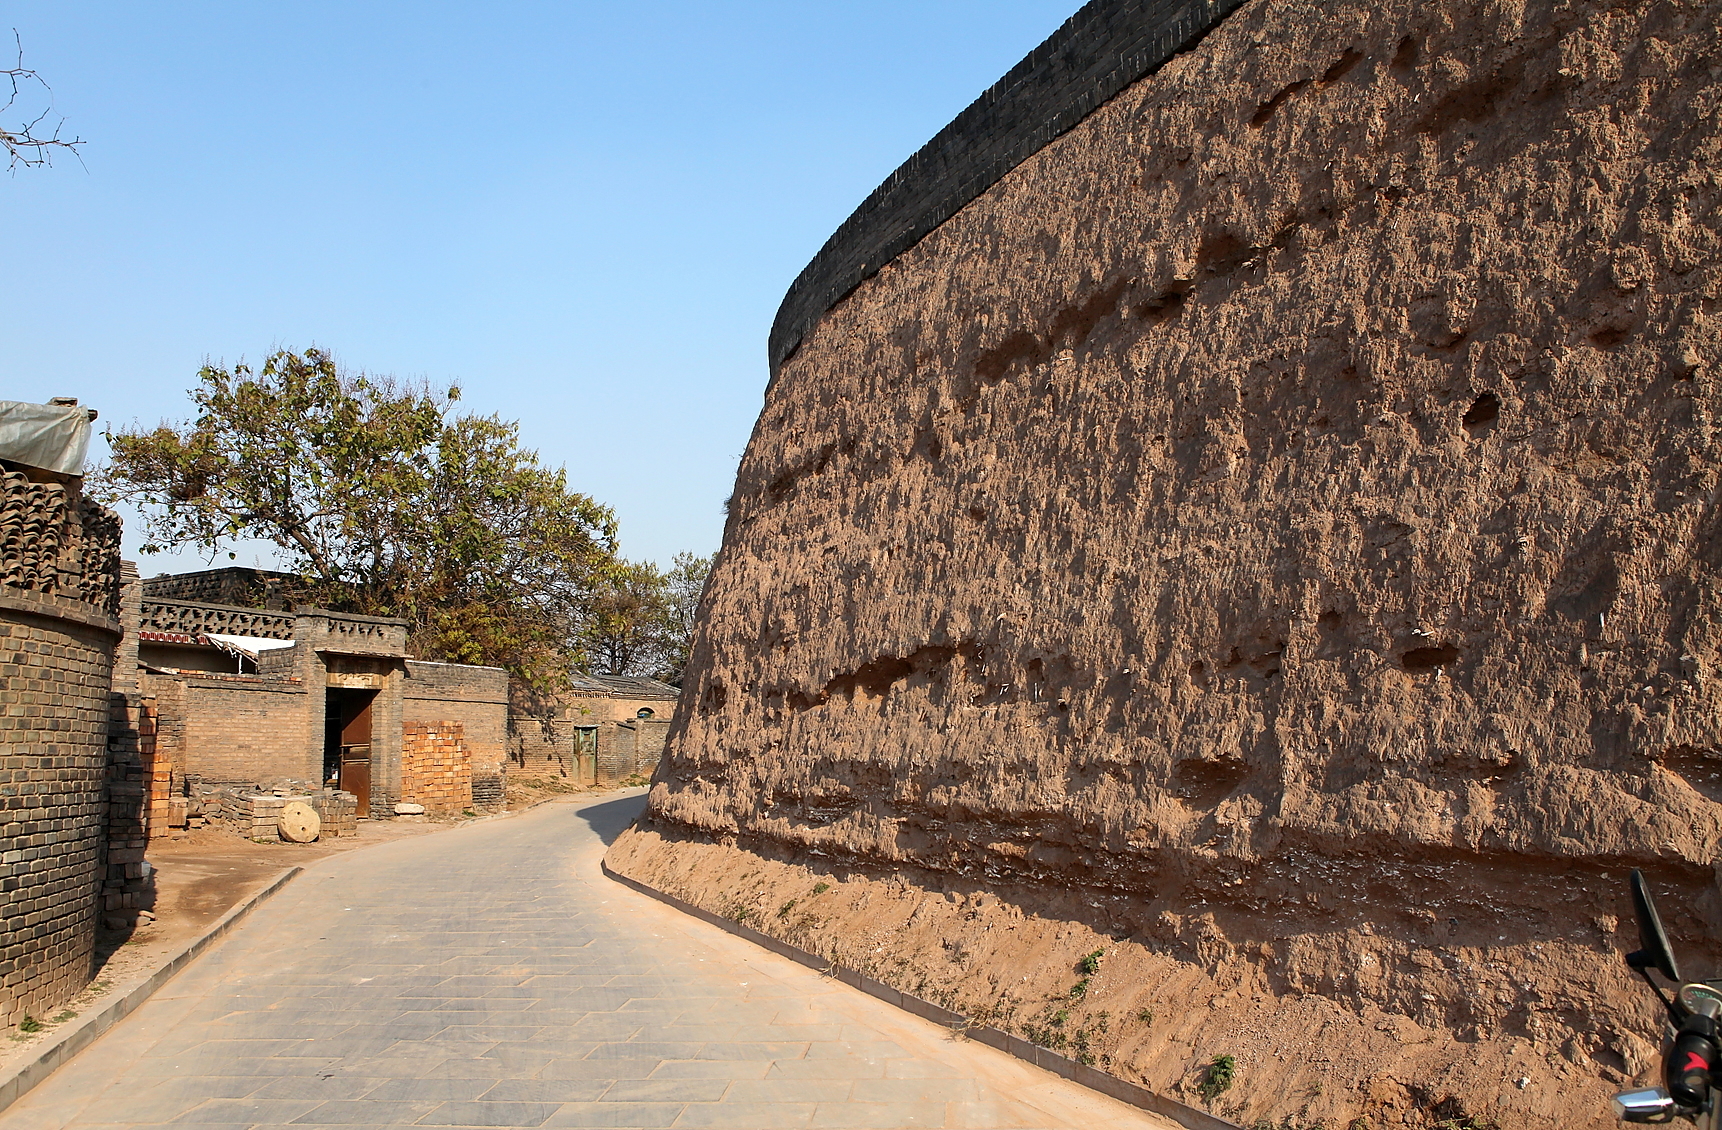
x=584 y=213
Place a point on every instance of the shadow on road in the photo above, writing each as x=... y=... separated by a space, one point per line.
x=613 y=816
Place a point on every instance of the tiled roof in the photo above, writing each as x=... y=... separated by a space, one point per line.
x=171 y=637
x=622 y=686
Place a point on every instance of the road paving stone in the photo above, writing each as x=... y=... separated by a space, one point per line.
x=491 y=976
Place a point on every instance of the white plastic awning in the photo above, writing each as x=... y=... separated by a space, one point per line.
x=248 y=646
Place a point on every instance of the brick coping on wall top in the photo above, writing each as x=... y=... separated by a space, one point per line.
x=439 y=663
x=269 y=682
x=58 y=608
x=1104 y=48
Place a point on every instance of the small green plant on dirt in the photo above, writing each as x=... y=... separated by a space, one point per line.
x=1090 y=964
x=821 y=888
x=468 y=813
x=1313 y=1090
x=1358 y=1123
x=30 y=1025
x=1080 y=1042
x=1217 y=1078
x=1050 y=1035
x=1080 y=989
x=1050 y=1038
x=783 y=911
x=635 y=780
x=1103 y=1022
x=1145 y=1016
x=63 y=1017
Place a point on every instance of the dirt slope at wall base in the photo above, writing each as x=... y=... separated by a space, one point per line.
x=1170 y=991
x=1281 y=513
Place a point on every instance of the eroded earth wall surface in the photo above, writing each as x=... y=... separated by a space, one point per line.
x=1269 y=542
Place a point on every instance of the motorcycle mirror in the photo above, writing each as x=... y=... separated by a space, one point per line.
x=1651 y=1105
x=1654 y=951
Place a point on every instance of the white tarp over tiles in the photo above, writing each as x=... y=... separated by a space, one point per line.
x=49 y=437
x=245 y=647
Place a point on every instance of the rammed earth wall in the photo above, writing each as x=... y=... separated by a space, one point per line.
x=1269 y=538
x=1099 y=51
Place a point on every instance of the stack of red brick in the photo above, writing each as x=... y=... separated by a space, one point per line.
x=436 y=766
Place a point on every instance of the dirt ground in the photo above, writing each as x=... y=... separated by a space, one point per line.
x=1160 y=998
x=525 y=792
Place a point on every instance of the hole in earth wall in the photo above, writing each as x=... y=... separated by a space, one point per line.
x=1425 y=658
x=1267 y=109
x=1482 y=414
x=1342 y=66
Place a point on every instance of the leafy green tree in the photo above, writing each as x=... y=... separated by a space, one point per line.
x=642 y=620
x=684 y=584
x=384 y=501
x=625 y=631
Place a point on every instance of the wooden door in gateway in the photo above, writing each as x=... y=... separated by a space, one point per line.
x=354 y=720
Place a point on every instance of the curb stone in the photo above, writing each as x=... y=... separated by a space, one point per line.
x=74 y=1038
x=1191 y=1118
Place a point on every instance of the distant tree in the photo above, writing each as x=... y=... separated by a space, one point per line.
x=684 y=584
x=384 y=501
x=625 y=630
x=28 y=145
x=642 y=621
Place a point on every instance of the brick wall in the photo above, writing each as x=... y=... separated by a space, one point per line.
x=257 y=816
x=1099 y=51
x=630 y=748
x=436 y=766
x=238 y=729
x=477 y=698
x=130 y=616
x=191 y=619
x=544 y=747
x=59 y=596
x=54 y=686
x=543 y=735
x=236 y=586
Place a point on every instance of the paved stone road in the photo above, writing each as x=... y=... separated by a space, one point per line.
x=491 y=976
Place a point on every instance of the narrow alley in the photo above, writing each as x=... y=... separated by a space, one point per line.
x=491 y=976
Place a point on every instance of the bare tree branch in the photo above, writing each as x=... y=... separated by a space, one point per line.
x=27 y=146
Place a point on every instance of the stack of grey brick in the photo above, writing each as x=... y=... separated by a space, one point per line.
x=338 y=811
x=258 y=816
